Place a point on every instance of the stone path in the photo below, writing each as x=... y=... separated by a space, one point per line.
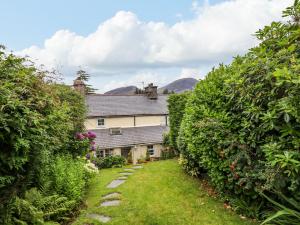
x=112 y=199
x=116 y=183
x=101 y=218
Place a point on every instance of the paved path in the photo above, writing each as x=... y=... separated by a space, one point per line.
x=111 y=199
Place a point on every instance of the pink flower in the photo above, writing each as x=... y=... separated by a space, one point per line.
x=91 y=135
x=79 y=136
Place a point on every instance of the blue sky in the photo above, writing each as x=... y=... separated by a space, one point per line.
x=128 y=42
x=30 y=22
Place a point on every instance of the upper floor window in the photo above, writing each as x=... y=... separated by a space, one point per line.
x=100 y=122
x=115 y=131
x=150 y=150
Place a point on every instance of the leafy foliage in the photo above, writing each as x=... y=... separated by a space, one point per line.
x=176 y=107
x=38 y=121
x=242 y=122
x=84 y=76
x=109 y=162
x=36 y=209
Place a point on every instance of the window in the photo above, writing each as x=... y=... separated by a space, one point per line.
x=150 y=150
x=100 y=153
x=108 y=152
x=115 y=131
x=100 y=122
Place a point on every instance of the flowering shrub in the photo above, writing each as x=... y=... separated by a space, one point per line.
x=83 y=142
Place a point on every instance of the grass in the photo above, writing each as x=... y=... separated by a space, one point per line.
x=159 y=194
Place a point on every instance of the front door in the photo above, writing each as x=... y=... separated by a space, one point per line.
x=125 y=152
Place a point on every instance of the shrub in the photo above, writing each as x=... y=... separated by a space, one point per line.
x=66 y=177
x=38 y=120
x=176 y=108
x=109 y=162
x=242 y=122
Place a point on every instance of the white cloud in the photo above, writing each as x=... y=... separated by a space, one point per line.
x=125 y=43
x=190 y=72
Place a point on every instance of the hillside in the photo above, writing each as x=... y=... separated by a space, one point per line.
x=122 y=91
x=176 y=86
x=180 y=85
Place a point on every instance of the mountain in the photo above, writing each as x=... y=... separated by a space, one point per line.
x=176 y=86
x=180 y=85
x=122 y=91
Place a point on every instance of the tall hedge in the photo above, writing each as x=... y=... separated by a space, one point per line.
x=242 y=123
x=38 y=119
x=176 y=107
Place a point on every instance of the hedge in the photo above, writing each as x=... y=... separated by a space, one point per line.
x=242 y=122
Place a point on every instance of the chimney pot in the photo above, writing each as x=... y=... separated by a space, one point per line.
x=151 y=91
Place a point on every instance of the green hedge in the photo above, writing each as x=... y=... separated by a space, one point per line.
x=242 y=122
x=176 y=107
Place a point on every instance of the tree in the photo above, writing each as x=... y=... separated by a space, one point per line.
x=84 y=76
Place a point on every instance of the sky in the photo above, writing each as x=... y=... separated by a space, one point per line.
x=129 y=42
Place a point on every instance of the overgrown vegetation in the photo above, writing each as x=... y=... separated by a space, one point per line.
x=241 y=124
x=41 y=177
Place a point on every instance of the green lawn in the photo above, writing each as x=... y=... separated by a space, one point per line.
x=160 y=193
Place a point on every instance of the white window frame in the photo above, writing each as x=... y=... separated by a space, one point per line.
x=118 y=129
x=101 y=125
x=150 y=149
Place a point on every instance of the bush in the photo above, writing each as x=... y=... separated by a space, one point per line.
x=109 y=162
x=242 y=122
x=38 y=120
x=176 y=108
x=66 y=177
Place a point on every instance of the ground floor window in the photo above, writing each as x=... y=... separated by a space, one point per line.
x=105 y=153
x=108 y=152
x=150 y=150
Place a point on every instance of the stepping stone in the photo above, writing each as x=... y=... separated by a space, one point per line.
x=110 y=203
x=129 y=170
x=100 y=218
x=126 y=174
x=137 y=167
x=111 y=195
x=115 y=183
x=122 y=178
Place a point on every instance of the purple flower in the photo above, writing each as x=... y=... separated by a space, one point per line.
x=91 y=135
x=79 y=136
x=93 y=148
x=88 y=156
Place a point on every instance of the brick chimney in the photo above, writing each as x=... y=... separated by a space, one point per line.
x=151 y=92
x=79 y=86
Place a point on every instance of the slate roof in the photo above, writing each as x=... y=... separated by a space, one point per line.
x=130 y=136
x=125 y=105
